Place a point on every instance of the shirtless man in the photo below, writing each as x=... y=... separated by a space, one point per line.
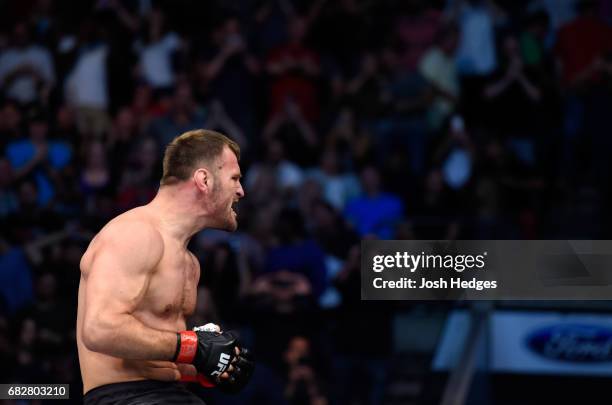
x=139 y=281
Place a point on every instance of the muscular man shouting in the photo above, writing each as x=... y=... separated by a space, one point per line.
x=139 y=283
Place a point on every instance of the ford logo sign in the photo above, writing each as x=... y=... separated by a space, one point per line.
x=577 y=343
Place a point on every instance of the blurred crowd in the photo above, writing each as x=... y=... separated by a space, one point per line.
x=390 y=119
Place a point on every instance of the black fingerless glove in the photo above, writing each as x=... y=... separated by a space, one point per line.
x=212 y=353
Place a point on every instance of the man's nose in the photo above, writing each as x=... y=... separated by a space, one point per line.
x=240 y=191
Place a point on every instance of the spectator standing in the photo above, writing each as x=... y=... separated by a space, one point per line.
x=27 y=73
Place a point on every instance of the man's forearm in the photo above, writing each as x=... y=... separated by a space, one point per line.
x=129 y=338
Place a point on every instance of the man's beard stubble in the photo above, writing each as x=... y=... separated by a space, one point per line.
x=227 y=220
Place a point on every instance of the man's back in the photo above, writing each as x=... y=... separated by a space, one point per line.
x=132 y=268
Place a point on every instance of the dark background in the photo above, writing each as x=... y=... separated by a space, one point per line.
x=357 y=119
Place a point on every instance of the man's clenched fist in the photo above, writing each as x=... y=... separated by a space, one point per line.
x=213 y=354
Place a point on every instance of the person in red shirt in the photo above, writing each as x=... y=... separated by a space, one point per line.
x=582 y=46
x=294 y=69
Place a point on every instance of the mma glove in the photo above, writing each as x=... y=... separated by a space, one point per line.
x=212 y=353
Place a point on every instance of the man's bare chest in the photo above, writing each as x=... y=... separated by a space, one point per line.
x=172 y=289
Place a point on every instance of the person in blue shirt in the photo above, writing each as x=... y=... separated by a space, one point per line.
x=38 y=157
x=374 y=212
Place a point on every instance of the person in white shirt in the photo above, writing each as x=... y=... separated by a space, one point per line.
x=156 y=52
x=86 y=88
x=438 y=67
x=476 y=52
x=27 y=73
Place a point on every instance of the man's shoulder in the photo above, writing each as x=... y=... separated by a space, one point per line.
x=132 y=228
x=130 y=241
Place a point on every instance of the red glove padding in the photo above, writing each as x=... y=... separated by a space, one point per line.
x=198 y=378
x=238 y=379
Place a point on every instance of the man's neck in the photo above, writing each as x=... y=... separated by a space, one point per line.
x=178 y=212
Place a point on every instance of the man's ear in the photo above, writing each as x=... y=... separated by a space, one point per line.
x=203 y=179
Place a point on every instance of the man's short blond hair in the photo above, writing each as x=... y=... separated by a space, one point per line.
x=192 y=149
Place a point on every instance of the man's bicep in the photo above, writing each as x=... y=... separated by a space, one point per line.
x=120 y=273
x=115 y=285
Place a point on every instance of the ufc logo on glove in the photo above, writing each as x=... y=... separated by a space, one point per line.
x=222 y=364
